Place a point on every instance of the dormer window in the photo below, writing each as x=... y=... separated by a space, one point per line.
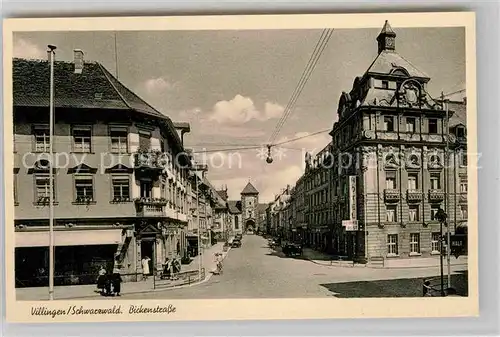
x=385 y=84
x=460 y=132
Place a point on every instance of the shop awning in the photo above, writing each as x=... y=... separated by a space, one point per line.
x=69 y=238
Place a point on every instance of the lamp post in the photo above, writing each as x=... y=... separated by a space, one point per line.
x=441 y=217
x=446 y=168
x=51 y=54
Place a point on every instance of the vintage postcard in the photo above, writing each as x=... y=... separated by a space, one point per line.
x=240 y=167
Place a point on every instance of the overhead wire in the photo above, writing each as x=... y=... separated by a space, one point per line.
x=311 y=65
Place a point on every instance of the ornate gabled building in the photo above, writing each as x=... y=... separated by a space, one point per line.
x=392 y=136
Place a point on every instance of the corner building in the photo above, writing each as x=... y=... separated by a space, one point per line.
x=392 y=136
x=121 y=176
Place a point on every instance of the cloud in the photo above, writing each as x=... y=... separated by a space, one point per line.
x=158 y=86
x=28 y=50
x=306 y=141
x=242 y=109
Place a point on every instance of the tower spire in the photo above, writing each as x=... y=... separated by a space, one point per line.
x=386 y=39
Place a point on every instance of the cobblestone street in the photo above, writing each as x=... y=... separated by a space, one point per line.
x=255 y=271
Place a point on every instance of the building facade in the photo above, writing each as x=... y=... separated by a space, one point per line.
x=400 y=155
x=318 y=211
x=249 y=204
x=119 y=193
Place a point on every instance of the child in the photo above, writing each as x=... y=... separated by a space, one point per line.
x=117 y=281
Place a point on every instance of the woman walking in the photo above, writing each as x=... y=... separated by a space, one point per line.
x=145 y=268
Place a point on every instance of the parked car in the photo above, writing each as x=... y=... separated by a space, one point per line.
x=292 y=249
x=236 y=243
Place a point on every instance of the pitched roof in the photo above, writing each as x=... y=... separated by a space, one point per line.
x=223 y=194
x=249 y=189
x=95 y=87
x=459 y=115
x=387 y=29
x=388 y=61
x=234 y=206
x=262 y=207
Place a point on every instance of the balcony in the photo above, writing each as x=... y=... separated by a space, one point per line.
x=150 y=207
x=414 y=195
x=155 y=161
x=436 y=195
x=391 y=195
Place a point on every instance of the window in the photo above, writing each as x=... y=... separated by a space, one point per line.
x=121 y=188
x=82 y=139
x=460 y=132
x=410 y=124
x=463 y=212
x=433 y=126
x=119 y=142
x=414 y=243
x=413 y=213
x=463 y=158
x=412 y=182
x=434 y=210
x=236 y=224
x=435 y=238
x=146 y=189
x=389 y=123
x=144 y=140
x=390 y=180
x=42 y=138
x=463 y=186
x=42 y=191
x=391 y=213
x=385 y=84
x=435 y=182
x=392 y=244
x=84 y=188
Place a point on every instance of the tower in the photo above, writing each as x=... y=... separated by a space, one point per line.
x=249 y=202
x=386 y=39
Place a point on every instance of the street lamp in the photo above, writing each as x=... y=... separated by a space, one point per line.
x=441 y=217
x=51 y=54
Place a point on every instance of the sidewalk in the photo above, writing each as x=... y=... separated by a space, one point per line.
x=89 y=291
x=390 y=263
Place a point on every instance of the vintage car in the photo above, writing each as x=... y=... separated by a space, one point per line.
x=292 y=249
x=236 y=243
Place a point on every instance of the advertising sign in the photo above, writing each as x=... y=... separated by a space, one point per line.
x=352 y=198
x=350 y=225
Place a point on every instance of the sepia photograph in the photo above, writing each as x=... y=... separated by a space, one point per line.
x=325 y=161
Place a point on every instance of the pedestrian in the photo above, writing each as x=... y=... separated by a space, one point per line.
x=145 y=268
x=117 y=281
x=107 y=284
x=101 y=280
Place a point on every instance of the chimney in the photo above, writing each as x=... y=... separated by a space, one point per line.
x=78 y=59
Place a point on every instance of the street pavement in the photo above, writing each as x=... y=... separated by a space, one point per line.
x=256 y=271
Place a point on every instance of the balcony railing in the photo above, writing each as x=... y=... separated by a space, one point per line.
x=391 y=195
x=436 y=195
x=414 y=195
x=151 y=211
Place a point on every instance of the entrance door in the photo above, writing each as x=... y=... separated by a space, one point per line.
x=148 y=249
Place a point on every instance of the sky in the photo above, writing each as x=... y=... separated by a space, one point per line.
x=233 y=86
